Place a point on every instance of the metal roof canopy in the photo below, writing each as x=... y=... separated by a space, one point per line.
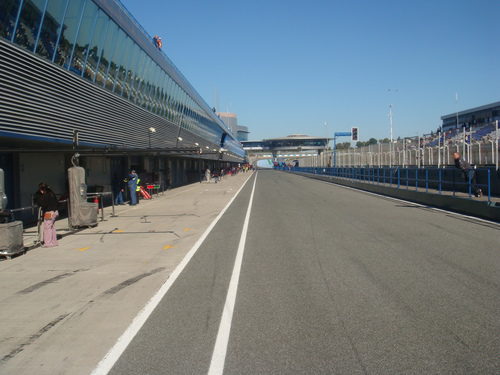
x=298 y=137
x=472 y=110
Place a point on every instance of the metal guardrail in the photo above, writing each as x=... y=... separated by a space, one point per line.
x=408 y=178
x=34 y=209
x=100 y=201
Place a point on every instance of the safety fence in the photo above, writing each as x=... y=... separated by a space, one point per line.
x=31 y=215
x=480 y=147
x=430 y=180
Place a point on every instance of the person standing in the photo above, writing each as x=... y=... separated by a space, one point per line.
x=47 y=200
x=132 y=187
x=138 y=189
x=121 y=190
x=469 y=173
x=208 y=174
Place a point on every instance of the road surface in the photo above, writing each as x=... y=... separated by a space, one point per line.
x=332 y=281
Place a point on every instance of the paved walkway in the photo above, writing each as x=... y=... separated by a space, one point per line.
x=64 y=307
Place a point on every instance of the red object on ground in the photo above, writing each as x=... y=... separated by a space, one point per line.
x=96 y=199
x=144 y=193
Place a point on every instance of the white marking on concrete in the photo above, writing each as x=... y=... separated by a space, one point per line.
x=410 y=202
x=220 y=349
x=107 y=363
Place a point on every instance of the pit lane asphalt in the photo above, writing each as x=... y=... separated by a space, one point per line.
x=333 y=281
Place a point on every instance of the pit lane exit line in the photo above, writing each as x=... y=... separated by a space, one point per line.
x=107 y=363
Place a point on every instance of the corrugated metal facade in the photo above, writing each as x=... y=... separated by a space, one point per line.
x=44 y=100
x=41 y=100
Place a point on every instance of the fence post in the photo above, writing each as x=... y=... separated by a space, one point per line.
x=439 y=181
x=416 y=179
x=454 y=187
x=489 y=185
x=426 y=180
x=407 y=179
x=399 y=177
x=113 y=204
x=469 y=187
x=101 y=203
x=69 y=218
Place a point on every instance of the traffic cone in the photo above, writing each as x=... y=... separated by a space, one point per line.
x=96 y=199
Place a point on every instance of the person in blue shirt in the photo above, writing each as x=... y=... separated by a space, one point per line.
x=132 y=187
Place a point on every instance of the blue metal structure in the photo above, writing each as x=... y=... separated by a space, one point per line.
x=418 y=179
x=335 y=135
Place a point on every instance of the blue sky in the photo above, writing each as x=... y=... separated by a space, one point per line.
x=290 y=66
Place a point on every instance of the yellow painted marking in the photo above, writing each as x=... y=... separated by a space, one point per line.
x=118 y=231
x=187 y=229
x=83 y=248
x=166 y=247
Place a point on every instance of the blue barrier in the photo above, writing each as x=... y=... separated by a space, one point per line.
x=441 y=179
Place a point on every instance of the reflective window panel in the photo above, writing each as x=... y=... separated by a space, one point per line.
x=29 y=23
x=8 y=14
x=51 y=28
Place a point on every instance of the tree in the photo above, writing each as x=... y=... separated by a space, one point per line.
x=372 y=141
x=343 y=146
x=385 y=140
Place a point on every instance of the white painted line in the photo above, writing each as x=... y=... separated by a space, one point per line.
x=107 y=363
x=220 y=349
x=410 y=202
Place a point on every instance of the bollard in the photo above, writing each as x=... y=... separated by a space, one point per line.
x=113 y=205
x=102 y=206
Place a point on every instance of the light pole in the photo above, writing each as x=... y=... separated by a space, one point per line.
x=151 y=130
x=391 y=139
x=497 y=131
x=390 y=122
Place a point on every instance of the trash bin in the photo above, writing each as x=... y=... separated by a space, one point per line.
x=11 y=238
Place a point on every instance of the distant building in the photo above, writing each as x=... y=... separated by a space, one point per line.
x=287 y=148
x=230 y=119
x=478 y=116
x=242 y=133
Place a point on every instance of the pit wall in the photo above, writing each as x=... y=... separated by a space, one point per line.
x=467 y=206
